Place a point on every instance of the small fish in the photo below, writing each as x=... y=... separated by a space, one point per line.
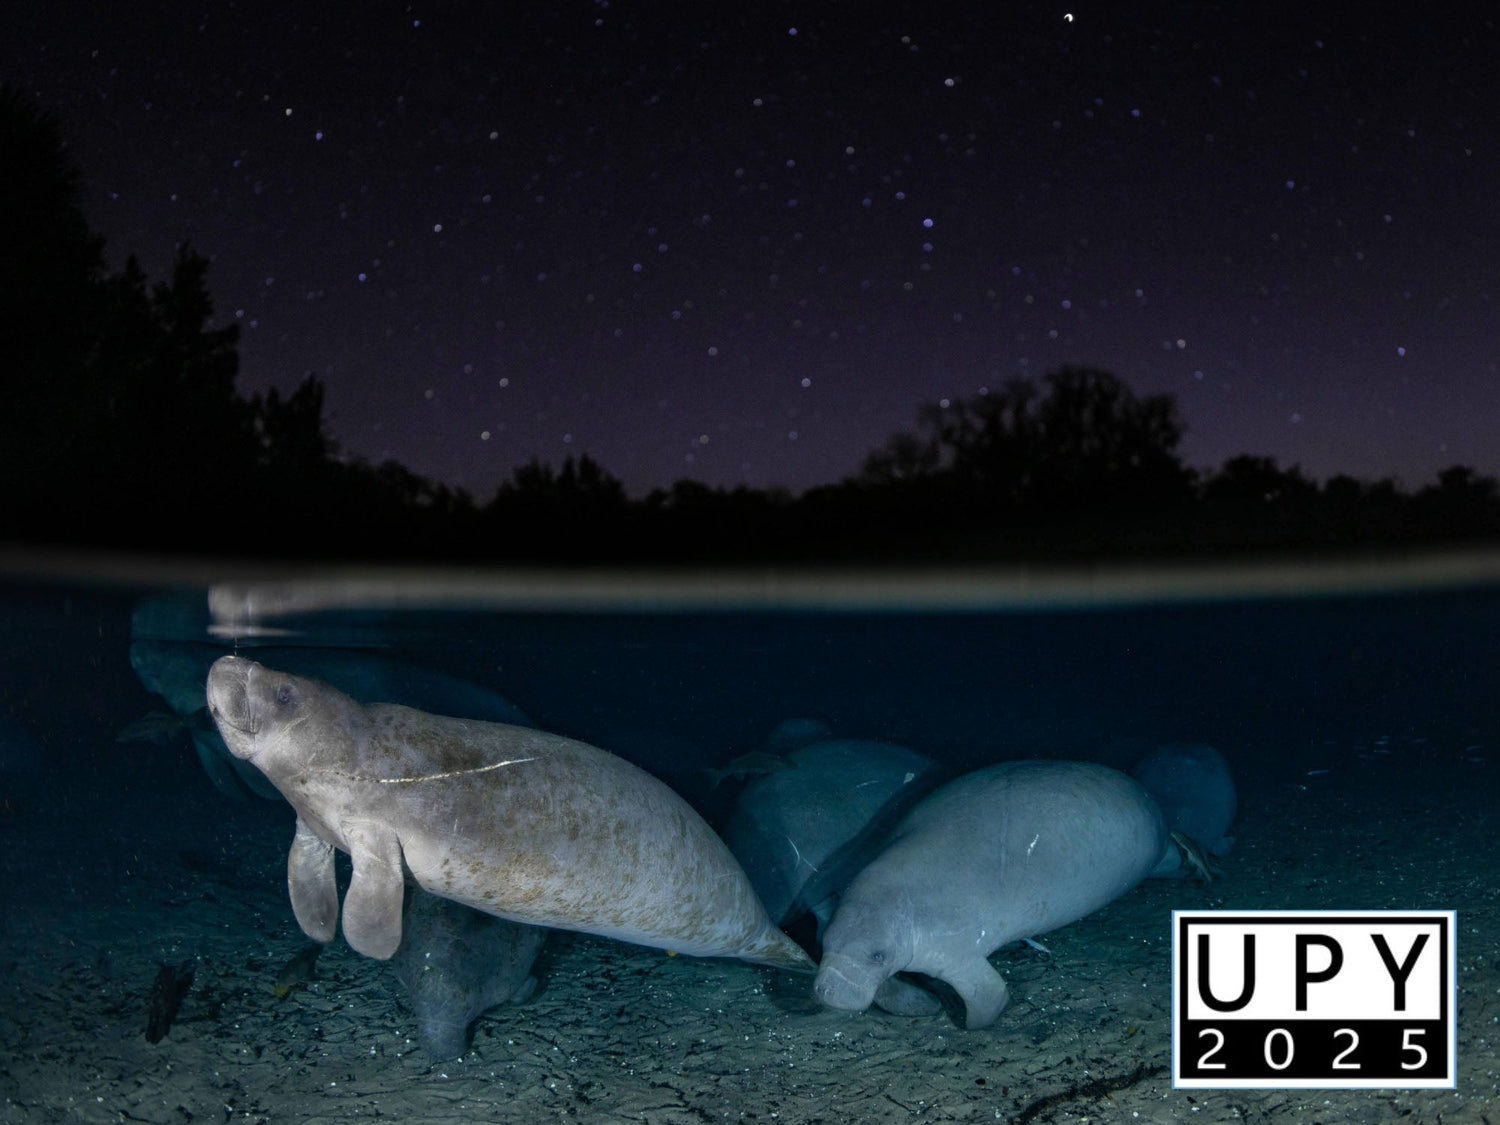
x=754 y=764
x=1317 y=773
x=298 y=971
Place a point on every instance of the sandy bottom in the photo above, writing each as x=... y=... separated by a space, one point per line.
x=99 y=886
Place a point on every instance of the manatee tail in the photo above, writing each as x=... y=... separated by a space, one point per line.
x=774 y=948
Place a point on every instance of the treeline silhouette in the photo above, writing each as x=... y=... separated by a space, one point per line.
x=121 y=427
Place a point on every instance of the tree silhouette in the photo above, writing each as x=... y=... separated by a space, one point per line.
x=163 y=380
x=1103 y=447
x=991 y=444
x=1085 y=444
x=1246 y=485
x=578 y=511
x=581 y=485
x=290 y=433
x=50 y=264
x=1461 y=504
x=903 y=458
x=122 y=419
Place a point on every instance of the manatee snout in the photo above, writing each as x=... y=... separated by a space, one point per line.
x=840 y=985
x=229 y=695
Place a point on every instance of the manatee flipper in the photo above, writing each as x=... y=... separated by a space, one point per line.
x=982 y=990
x=902 y=998
x=1193 y=855
x=309 y=876
x=372 y=905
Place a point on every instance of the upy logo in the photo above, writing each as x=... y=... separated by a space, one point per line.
x=1285 y=998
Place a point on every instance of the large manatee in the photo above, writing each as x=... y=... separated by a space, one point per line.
x=515 y=822
x=1001 y=854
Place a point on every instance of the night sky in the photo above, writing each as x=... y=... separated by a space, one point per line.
x=743 y=243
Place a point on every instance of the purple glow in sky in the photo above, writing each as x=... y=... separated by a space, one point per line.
x=744 y=243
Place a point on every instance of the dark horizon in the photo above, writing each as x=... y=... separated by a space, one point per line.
x=674 y=237
x=126 y=429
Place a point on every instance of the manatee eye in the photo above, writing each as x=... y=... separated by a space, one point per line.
x=286 y=695
x=877 y=957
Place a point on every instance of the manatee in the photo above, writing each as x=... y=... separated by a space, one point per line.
x=801 y=834
x=457 y=963
x=1001 y=854
x=515 y=822
x=176 y=671
x=1195 y=792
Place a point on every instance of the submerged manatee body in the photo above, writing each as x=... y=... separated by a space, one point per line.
x=1195 y=791
x=801 y=834
x=457 y=963
x=514 y=822
x=998 y=855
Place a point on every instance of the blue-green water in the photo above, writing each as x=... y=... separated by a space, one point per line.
x=1362 y=730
